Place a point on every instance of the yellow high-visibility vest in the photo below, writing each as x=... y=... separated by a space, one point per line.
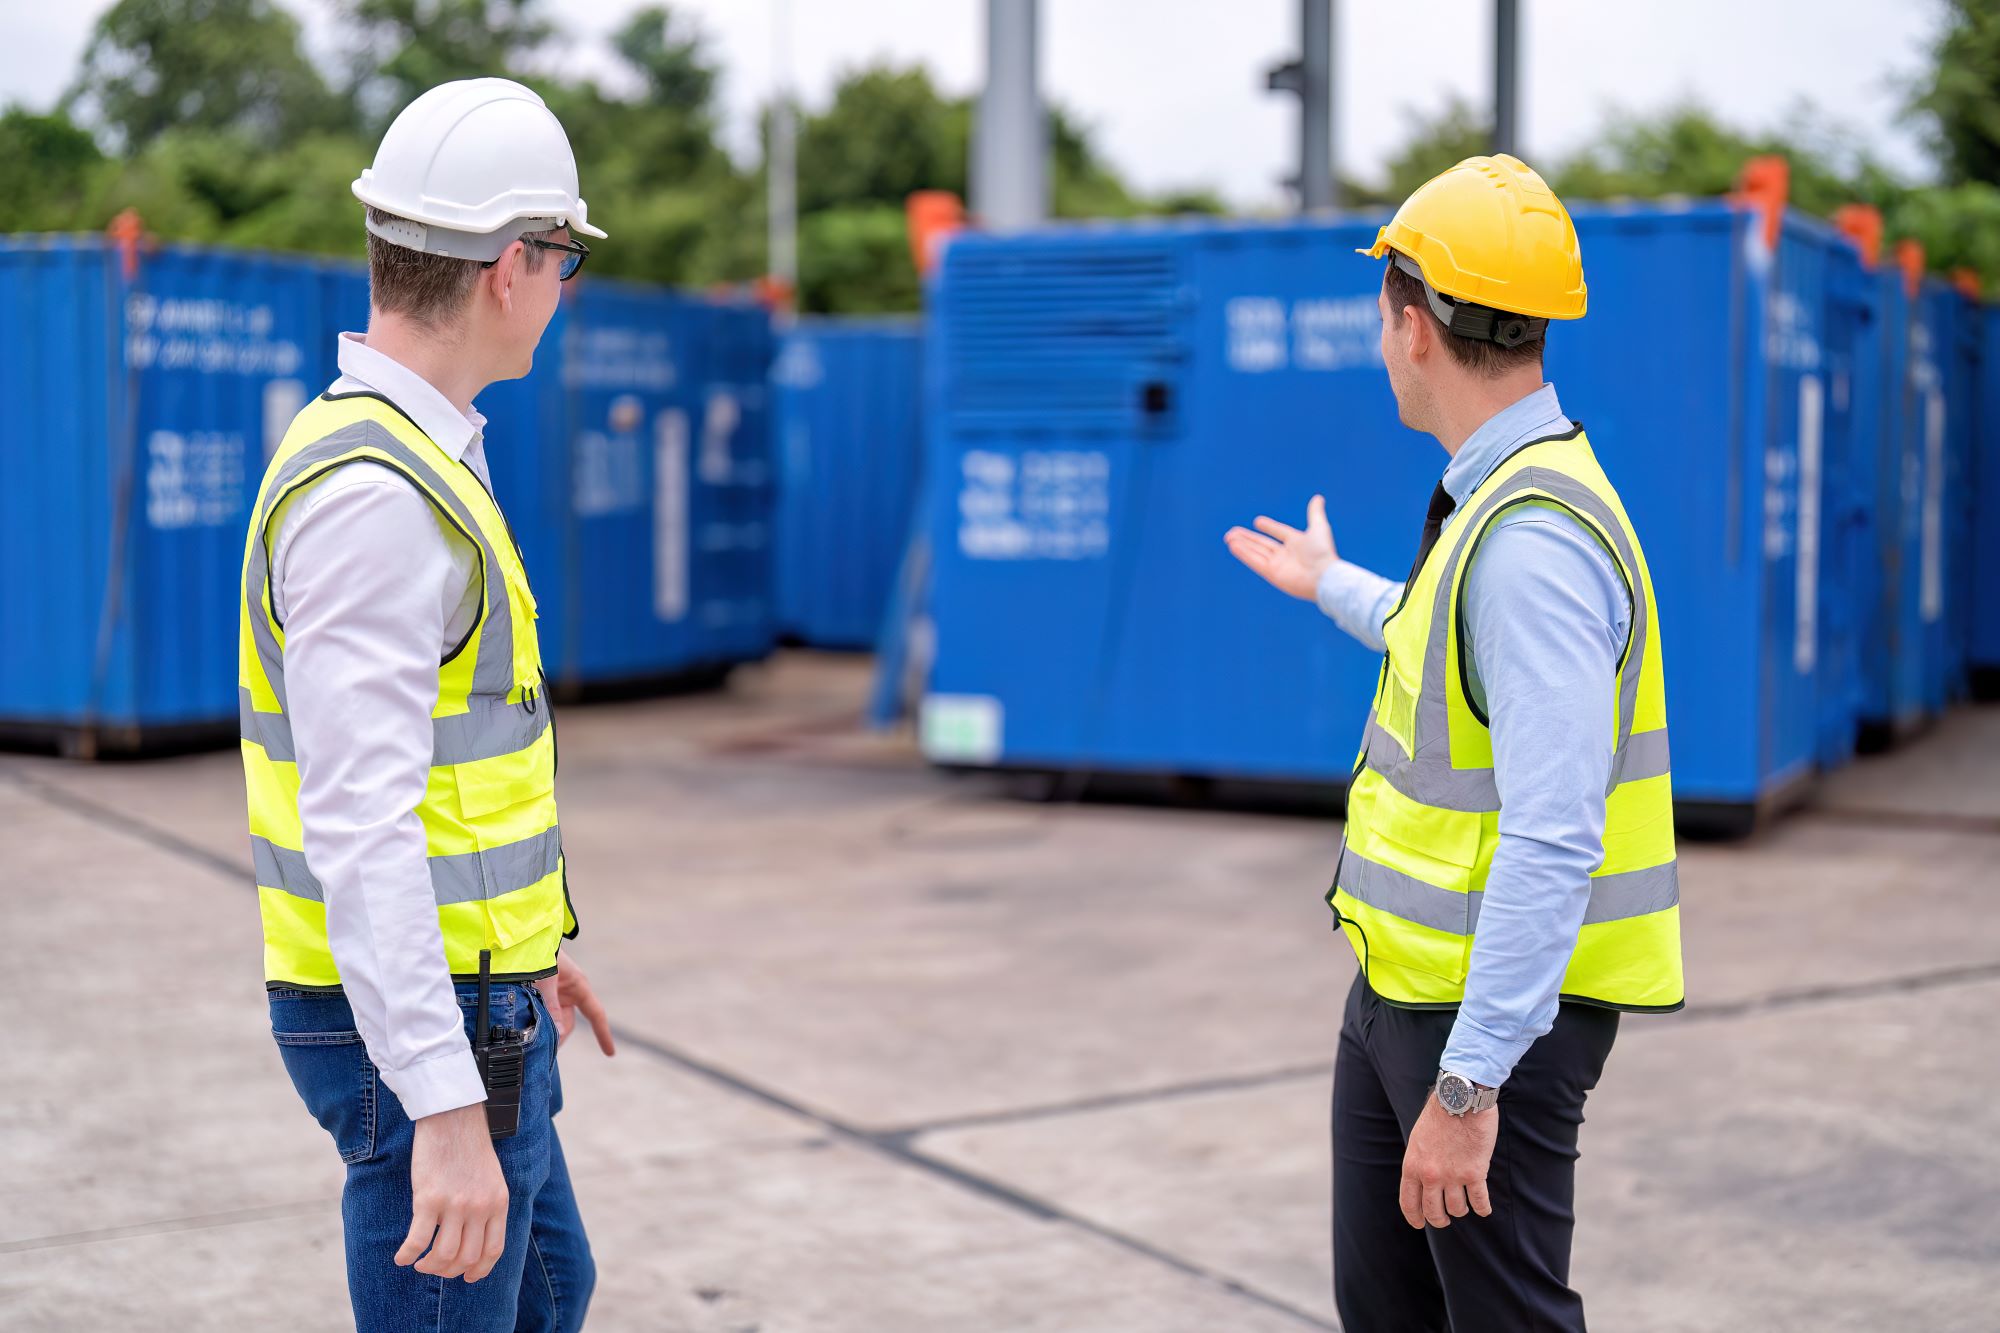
x=1423 y=811
x=489 y=809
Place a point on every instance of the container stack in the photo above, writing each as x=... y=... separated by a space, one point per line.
x=849 y=442
x=142 y=395
x=1787 y=426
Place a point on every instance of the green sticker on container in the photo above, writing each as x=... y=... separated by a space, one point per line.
x=961 y=728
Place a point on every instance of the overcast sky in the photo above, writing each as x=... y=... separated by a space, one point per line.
x=1173 y=89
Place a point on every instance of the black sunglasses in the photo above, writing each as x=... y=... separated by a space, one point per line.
x=573 y=253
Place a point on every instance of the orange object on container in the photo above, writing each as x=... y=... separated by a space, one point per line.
x=1862 y=224
x=932 y=215
x=1910 y=259
x=1966 y=279
x=773 y=292
x=126 y=231
x=1765 y=184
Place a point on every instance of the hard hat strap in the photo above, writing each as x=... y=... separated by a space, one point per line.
x=1468 y=319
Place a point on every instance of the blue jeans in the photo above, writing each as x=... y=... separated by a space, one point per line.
x=543 y=1281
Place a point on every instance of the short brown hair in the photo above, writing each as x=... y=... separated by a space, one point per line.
x=1478 y=355
x=430 y=289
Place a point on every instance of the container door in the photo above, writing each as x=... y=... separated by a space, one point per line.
x=1062 y=362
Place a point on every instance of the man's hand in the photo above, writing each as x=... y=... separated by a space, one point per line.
x=1444 y=1168
x=1289 y=560
x=458 y=1193
x=570 y=995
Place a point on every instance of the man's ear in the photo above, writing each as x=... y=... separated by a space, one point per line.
x=503 y=274
x=1419 y=333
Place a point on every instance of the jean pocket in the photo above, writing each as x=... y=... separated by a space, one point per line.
x=336 y=1080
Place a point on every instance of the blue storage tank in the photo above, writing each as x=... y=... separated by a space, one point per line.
x=1984 y=647
x=1111 y=399
x=849 y=443
x=136 y=414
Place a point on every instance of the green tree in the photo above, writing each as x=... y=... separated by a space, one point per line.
x=400 y=48
x=49 y=163
x=225 y=66
x=1959 y=95
x=1436 y=142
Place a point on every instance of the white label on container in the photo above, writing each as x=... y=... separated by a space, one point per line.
x=611 y=357
x=1805 y=635
x=961 y=728
x=670 y=514
x=1256 y=333
x=718 y=429
x=206 y=336
x=193 y=480
x=1336 y=333
x=283 y=400
x=605 y=474
x=1054 y=504
x=1930 y=597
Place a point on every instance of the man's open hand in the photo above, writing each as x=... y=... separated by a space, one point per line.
x=1289 y=560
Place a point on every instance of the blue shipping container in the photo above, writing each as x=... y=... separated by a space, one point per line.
x=1984 y=649
x=137 y=415
x=1919 y=409
x=849 y=444
x=1111 y=399
x=631 y=465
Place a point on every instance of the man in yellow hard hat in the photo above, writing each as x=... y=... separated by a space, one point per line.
x=1507 y=876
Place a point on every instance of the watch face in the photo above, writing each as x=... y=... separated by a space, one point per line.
x=1454 y=1093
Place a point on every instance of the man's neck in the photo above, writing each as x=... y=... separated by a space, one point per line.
x=1478 y=402
x=445 y=366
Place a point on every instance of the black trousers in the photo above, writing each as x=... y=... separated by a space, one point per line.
x=1506 y=1272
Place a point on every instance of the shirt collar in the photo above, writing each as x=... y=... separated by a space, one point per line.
x=1530 y=418
x=451 y=430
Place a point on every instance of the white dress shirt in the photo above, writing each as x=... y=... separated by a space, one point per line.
x=374 y=588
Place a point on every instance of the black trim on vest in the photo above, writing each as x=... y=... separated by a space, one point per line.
x=1465 y=572
x=458 y=978
x=331 y=397
x=1575 y=429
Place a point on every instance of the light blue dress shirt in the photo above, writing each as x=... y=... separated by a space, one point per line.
x=1546 y=617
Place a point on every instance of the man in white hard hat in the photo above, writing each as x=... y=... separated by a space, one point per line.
x=399 y=753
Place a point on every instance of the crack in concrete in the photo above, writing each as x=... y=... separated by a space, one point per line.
x=1108 y=1101
x=164 y=1226
x=895 y=1145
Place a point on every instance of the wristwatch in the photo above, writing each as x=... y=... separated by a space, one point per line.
x=1460 y=1096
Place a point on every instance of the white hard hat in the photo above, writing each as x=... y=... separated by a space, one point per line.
x=470 y=166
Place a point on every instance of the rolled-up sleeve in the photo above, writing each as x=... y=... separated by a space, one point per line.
x=367 y=588
x=1546 y=615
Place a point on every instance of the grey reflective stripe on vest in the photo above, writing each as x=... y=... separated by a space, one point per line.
x=462 y=877
x=1616 y=897
x=491 y=728
x=1426 y=775
x=493 y=672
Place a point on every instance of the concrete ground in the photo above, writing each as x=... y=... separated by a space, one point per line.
x=902 y=1054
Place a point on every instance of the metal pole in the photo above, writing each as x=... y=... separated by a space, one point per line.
x=1010 y=153
x=783 y=184
x=1506 y=76
x=1318 y=190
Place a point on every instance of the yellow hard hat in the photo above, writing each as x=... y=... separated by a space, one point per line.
x=1492 y=233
